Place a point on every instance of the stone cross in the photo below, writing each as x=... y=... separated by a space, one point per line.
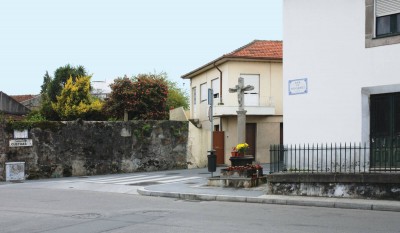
x=241 y=113
x=240 y=89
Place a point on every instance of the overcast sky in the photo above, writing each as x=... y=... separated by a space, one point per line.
x=111 y=38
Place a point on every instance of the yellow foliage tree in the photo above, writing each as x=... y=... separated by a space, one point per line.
x=75 y=101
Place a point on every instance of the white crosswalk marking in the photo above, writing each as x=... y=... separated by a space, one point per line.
x=138 y=179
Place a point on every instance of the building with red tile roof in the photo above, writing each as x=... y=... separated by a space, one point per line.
x=259 y=63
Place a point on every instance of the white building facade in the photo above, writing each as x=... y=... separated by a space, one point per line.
x=341 y=74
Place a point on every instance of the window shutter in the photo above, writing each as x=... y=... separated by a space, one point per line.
x=387 y=7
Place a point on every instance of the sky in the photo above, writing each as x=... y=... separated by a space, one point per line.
x=113 y=38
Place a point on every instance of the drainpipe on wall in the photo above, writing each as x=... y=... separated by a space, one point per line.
x=220 y=84
x=220 y=94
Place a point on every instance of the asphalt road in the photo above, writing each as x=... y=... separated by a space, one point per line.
x=36 y=208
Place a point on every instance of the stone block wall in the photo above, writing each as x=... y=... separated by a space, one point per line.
x=80 y=148
x=348 y=185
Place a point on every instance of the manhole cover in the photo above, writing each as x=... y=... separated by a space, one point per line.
x=156 y=213
x=145 y=183
x=87 y=216
x=191 y=183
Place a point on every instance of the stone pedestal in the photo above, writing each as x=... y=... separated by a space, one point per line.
x=241 y=126
x=241 y=160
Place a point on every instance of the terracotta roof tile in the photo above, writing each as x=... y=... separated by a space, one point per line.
x=259 y=49
x=21 y=98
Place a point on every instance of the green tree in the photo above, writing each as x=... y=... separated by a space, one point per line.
x=145 y=96
x=75 y=100
x=176 y=97
x=150 y=92
x=52 y=87
x=120 y=98
x=61 y=75
x=142 y=97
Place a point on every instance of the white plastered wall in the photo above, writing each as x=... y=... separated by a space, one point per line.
x=324 y=41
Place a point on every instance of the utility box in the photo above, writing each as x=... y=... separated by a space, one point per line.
x=15 y=171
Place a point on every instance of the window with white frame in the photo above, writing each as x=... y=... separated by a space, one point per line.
x=203 y=92
x=215 y=87
x=252 y=98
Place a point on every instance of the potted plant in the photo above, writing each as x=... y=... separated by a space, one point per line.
x=234 y=152
x=242 y=148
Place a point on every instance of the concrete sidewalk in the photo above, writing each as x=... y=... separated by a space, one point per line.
x=198 y=190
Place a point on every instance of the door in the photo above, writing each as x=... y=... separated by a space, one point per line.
x=251 y=129
x=385 y=130
x=219 y=143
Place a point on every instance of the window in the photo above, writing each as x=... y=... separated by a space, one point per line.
x=388 y=25
x=382 y=22
x=194 y=95
x=203 y=92
x=194 y=102
x=215 y=86
x=252 y=98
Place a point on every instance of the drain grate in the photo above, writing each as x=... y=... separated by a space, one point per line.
x=204 y=173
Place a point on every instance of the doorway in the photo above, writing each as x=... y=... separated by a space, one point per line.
x=219 y=145
x=385 y=130
x=251 y=132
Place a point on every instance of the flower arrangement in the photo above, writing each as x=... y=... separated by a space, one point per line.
x=244 y=168
x=248 y=171
x=242 y=148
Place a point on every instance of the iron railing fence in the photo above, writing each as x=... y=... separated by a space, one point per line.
x=335 y=158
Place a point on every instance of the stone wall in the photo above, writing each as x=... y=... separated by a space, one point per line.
x=363 y=185
x=79 y=148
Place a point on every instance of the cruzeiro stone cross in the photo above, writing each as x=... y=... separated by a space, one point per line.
x=241 y=113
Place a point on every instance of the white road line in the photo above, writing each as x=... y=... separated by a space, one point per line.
x=115 y=178
x=120 y=180
x=150 y=179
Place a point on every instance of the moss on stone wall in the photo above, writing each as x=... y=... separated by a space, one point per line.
x=90 y=148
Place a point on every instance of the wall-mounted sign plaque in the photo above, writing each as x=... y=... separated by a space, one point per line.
x=298 y=86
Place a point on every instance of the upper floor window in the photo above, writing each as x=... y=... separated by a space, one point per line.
x=252 y=98
x=215 y=86
x=387 y=17
x=382 y=22
x=194 y=97
x=203 y=92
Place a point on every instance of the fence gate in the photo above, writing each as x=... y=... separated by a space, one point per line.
x=385 y=130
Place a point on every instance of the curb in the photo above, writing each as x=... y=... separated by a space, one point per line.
x=276 y=201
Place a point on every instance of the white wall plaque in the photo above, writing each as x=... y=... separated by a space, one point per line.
x=21 y=133
x=298 y=86
x=20 y=142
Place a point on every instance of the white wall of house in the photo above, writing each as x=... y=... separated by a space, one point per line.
x=324 y=41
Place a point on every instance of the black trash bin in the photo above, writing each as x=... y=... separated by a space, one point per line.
x=212 y=161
